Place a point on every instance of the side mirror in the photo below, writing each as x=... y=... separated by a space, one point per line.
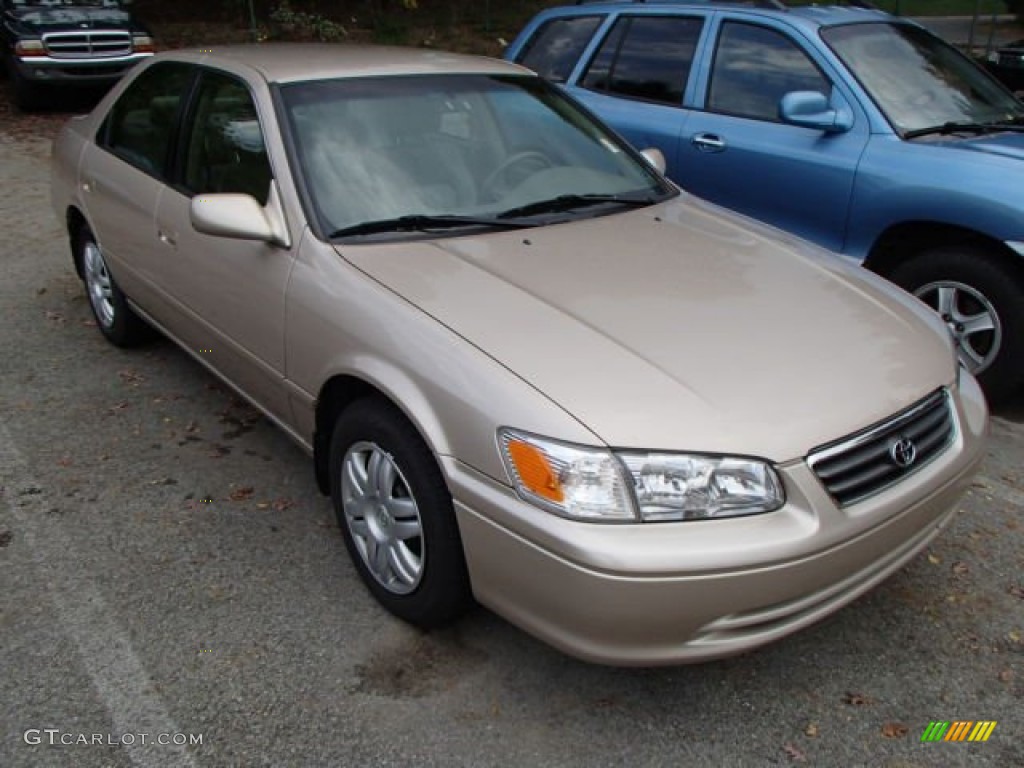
x=238 y=217
x=811 y=109
x=654 y=158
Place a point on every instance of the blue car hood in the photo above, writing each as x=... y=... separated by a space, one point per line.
x=1005 y=144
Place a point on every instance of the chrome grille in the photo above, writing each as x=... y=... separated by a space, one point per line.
x=1011 y=60
x=87 y=45
x=863 y=464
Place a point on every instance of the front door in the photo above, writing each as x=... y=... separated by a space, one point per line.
x=230 y=294
x=736 y=151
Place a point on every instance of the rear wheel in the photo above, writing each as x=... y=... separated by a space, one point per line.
x=115 y=319
x=982 y=301
x=396 y=515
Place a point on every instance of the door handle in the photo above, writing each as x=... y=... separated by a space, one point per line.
x=167 y=238
x=88 y=185
x=708 y=142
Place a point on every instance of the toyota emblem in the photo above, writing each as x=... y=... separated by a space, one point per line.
x=903 y=452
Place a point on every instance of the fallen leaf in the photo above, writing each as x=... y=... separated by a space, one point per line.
x=794 y=753
x=282 y=504
x=118 y=407
x=812 y=730
x=1014 y=636
x=960 y=568
x=1017 y=591
x=87 y=323
x=934 y=559
x=130 y=377
x=1006 y=675
x=64 y=462
x=263 y=505
x=241 y=494
x=164 y=481
x=894 y=730
x=857 y=699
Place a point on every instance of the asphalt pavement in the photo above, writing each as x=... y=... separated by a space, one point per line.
x=174 y=592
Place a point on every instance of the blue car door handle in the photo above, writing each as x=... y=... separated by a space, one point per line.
x=708 y=142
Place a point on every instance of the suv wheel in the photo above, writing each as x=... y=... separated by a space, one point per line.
x=982 y=302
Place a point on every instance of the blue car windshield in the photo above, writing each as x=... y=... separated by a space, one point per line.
x=919 y=81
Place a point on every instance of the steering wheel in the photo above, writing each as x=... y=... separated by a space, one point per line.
x=497 y=184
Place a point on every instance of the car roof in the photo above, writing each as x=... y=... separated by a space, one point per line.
x=806 y=15
x=292 y=62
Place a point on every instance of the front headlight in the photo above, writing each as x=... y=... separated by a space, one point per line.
x=675 y=486
x=598 y=485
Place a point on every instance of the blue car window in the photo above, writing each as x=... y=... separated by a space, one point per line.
x=754 y=68
x=646 y=57
x=556 y=47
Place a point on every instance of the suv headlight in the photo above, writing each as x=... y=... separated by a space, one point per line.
x=599 y=485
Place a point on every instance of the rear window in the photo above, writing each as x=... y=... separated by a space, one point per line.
x=556 y=47
x=646 y=57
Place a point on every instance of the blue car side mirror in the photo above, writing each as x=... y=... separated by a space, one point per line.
x=811 y=109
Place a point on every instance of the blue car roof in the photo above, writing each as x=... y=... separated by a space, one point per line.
x=812 y=16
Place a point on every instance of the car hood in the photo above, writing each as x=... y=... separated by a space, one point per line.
x=42 y=20
x=679 y=327
x=1002 y=144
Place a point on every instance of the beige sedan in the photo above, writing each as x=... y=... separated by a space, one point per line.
x=528 y=369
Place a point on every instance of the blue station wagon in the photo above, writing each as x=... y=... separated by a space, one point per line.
x=854 y=129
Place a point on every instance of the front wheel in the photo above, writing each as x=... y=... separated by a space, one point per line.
x=982 y=301
x=396 y=515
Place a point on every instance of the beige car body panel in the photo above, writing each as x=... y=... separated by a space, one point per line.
x=676 y=327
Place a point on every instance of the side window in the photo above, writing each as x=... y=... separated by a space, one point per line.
x=557 y=45
x=754 y=68
x=646 y=57
x=225 y=150
x=141 y=123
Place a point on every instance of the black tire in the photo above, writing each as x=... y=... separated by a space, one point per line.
x=27 y=95
x=966 y=269
x=115 y=319
x=415 y=494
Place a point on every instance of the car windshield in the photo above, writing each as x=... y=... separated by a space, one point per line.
x=919 y=81
x=445 y=151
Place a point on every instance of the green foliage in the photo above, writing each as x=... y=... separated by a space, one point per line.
x=298 y=25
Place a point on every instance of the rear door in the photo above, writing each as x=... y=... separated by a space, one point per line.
x=124 y=172
x=736 y=151
x=638 y=77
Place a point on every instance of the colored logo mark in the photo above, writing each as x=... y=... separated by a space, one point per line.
x=959 y=730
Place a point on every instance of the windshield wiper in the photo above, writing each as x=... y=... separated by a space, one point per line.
x=421 y=222
x=571 y=202
x=1011 y=124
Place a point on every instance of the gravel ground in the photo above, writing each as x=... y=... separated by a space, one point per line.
x=167 y=566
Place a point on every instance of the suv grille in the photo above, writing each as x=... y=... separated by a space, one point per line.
x=87 y=45
x=1011 y=60
x=865 y=463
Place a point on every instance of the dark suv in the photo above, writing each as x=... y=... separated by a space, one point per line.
x=82 y=42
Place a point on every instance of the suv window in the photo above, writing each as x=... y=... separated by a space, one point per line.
x=646 y=57
x=754 y=68
x=557 y=45
x=141 y=123
x=225 y=150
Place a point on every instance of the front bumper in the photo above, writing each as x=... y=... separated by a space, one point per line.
x=46 y=69
x=673 y=593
